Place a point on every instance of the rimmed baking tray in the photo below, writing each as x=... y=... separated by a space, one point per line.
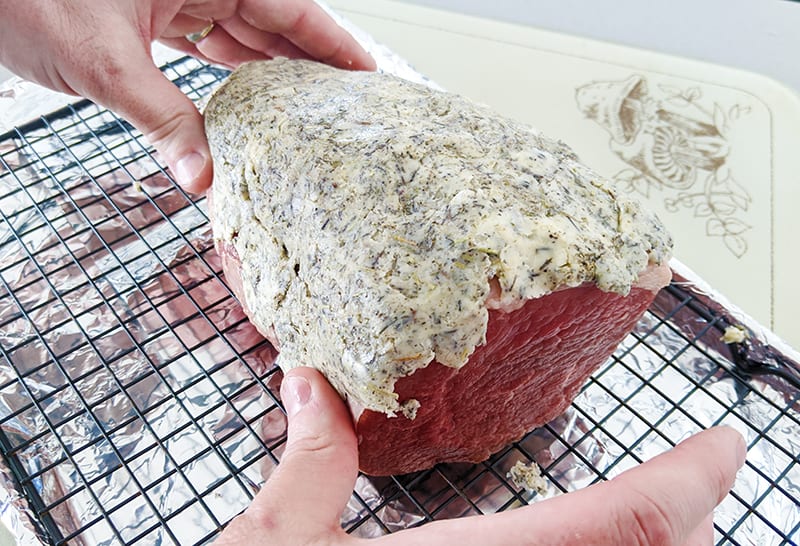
x=136 y=405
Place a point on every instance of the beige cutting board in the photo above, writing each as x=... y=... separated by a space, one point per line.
x=715 y=151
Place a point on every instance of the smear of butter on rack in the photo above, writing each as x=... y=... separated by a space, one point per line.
x=734 y=334
x=528 y=476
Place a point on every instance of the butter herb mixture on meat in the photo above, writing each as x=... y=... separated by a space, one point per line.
x=370 y=213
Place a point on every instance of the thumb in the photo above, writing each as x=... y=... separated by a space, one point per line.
x=315 y=478
x=131 y=85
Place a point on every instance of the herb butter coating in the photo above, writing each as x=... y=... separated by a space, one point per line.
x=370 y=213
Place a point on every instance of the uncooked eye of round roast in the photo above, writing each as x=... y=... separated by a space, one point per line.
x=454 y=274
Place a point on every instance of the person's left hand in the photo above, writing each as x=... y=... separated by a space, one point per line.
x=666 y=501
x=101 y=50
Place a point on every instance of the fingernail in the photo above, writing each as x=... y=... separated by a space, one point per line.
x=296 y=392
x=741 y=444
x=741 y=450
x=189 y=167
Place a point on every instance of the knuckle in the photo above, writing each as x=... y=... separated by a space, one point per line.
x=642 y=521
x=220 y=9
x=160 y=133
x=320 y=445
x=295 y=24
x=335 y=51
x=244 y=528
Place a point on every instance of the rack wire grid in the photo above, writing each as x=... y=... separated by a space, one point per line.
x=139 y=406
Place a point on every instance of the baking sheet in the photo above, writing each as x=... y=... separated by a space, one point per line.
x=138 y=406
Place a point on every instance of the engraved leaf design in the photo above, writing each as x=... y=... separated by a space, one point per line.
x=631 y=180
x=724 y=186
x=715 y=227
x=692 y=94
x=722 y=204
x=670 y=90
x=739 y=194
x=723 y=173
x=702 y=210
x=687 y=199
x=624 y=179
x=677 y=100
x=642 y=185
x=734 y=226
x=626 y=175
x=720 y=120
x=736 y=111
x=742 y=200
x=736 y=244
x=671 y=205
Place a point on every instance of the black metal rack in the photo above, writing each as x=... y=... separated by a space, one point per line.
x=135 y=406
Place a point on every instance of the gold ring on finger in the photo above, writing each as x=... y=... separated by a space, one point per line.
x=195 y=37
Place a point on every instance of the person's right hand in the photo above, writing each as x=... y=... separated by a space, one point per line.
x=101 y=50
x=667 y=501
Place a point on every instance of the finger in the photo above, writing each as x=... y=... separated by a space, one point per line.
x=222 y=48
x=661 y=502
x=213 y=10
x=183 y=24
x=272 y=45
x=123 y=78
x=704 y=534
x=670 y=496
x=182 y=44
x=307 y=25
x=315 y=478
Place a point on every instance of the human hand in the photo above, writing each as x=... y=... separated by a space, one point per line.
x=665 y=501
x=101 y=50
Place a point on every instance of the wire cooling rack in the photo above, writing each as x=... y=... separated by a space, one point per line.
x=138 y=405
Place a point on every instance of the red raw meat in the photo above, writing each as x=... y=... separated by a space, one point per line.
x=534 y=362
x=532 y=366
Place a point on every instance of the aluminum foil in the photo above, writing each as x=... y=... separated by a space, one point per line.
x=137 y=404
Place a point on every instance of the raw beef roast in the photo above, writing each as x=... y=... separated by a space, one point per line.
x=456 y=275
